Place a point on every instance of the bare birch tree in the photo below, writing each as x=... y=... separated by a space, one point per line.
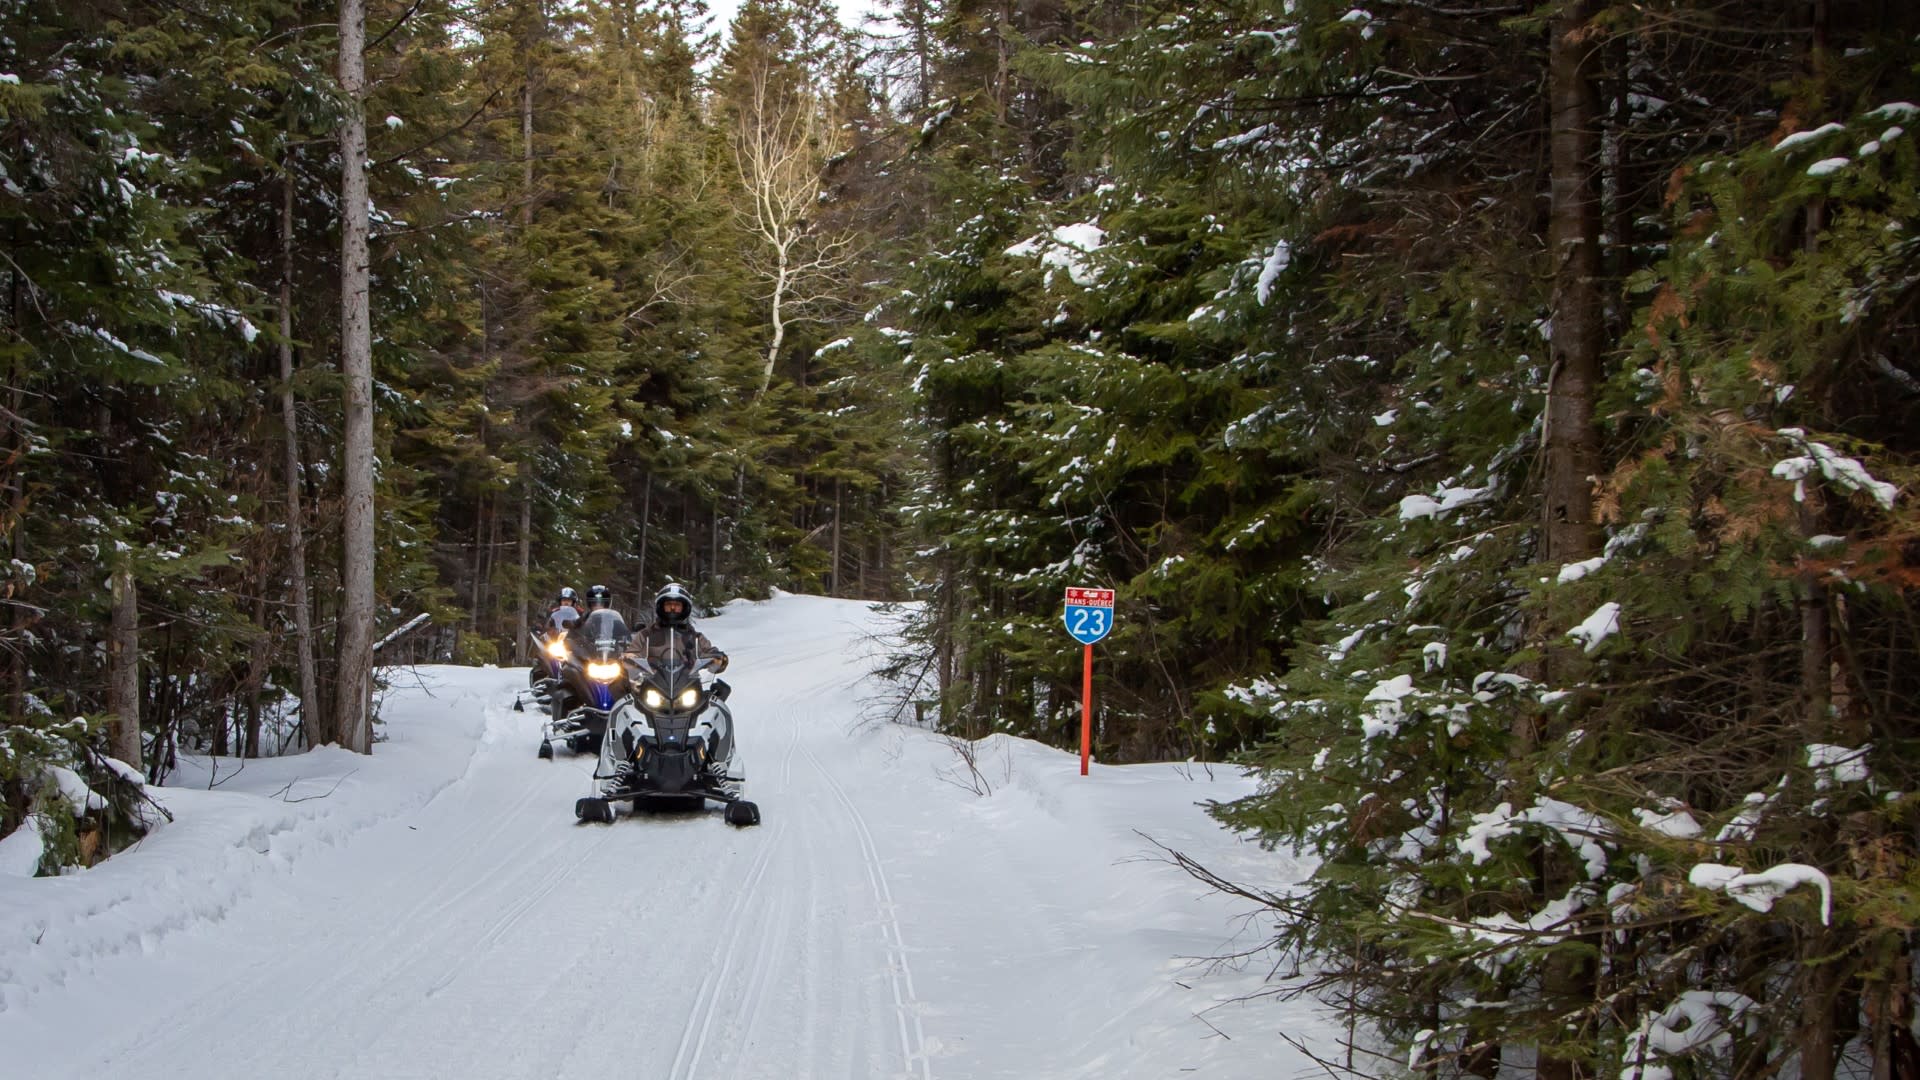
x=783 y=139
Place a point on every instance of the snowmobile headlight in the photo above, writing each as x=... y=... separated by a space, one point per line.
x=603 y=671
x=557 y=648
x=689 y=697
x=655 y=699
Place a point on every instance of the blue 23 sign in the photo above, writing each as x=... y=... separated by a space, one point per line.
x=1089 y=614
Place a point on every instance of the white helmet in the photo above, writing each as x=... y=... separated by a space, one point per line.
x=672 y=592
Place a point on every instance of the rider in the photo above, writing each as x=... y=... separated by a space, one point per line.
x=565 y=610
x=672 y=632
x=599 y=598
x=672 y=636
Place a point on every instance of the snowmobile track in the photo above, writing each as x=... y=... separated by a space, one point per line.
x=913 y=1039
x=747 y=895
x=516 y=911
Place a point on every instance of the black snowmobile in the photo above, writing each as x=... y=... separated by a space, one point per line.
x=673 y=747
x=543 y=679
x=592 y=682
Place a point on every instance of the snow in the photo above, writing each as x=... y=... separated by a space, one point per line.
x=75 y=790
x=1234 y=142
x=1694 y=1021
x=1678 y=824
x=1828 y=166
x=1740 y=828
x=1504 y=929
x=1834 y=765
x=1066 y=249
x=1345 y=645
x=1760 y=891
x=1842 y=470
x=124 y=771
x=116 y=343
x=1597 y=627
x=1895 y=110
x=20 y=850
x=1581 y=830
x=1388 y=713
x=1801 y=138
x=433 y=909
x=1277 y=261
x=1575 y=571
x=1444 y=500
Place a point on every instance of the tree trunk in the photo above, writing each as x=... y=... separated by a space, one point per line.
x=640 y=574
x=524 y=605
x=259 y=657
x=312 y=712
x=16 y=501
x=490 y=596
x=479 y=562
x=526 y=145
x=1817 y=1035
x=862 y=549
x=1572 y=442
x=776 y=311
x=123 y=661
x=834 y=582
x=354 y=689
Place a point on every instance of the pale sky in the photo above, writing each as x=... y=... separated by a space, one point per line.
x=851 y=12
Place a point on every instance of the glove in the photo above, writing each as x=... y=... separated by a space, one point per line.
x=718 y=664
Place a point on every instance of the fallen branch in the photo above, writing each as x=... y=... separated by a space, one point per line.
x=309 y=798
x=412 y=624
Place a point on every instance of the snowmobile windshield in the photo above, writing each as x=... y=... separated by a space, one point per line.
x=674 y=651
x=605 y=632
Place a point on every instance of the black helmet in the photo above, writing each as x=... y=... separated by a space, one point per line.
x=673 y=592
x=567 y=596
x=599 y=596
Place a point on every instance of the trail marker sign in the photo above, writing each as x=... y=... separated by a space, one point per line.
x=1089 y=618
x=1089 y=614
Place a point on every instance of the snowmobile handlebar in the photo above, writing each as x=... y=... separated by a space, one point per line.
x=647 y=667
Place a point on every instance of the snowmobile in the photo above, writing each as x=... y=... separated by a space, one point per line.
x=543 y=678
x=592 y=682
x=674 y=745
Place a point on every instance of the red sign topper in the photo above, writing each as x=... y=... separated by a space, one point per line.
x=1089 y=616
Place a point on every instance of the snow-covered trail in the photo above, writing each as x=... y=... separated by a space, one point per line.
x=883 y=921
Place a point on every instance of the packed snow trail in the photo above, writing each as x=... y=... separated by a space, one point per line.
x=436 y=912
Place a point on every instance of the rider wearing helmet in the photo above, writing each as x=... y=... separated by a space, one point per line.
x=565 y=610
x=599 y=598
x=672 y=632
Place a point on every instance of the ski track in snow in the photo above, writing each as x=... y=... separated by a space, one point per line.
x=472 y=929
x=913 y=1037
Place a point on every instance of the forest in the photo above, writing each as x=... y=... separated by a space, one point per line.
x=1499 y=421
